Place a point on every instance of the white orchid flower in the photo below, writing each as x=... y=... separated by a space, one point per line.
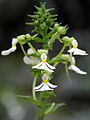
x=45 y=85
x=75 y=50
x=44 y=65
x=30 y=60
x=12 y=49
x=75 y=68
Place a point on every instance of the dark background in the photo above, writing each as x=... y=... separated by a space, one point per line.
x=14 y=76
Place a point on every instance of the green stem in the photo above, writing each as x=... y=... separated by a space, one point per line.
x=30 y=45
x=70 y=55
x=67 y=73
x=42 y=108
x=23 y=50
x=60 y=54
x=34 y=84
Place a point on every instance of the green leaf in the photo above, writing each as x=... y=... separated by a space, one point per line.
x=29 y=99
x=50 y=108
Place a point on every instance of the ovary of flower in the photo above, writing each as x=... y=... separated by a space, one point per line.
x=75 y=50
x=44 y=65
x=45 y=85
x=30 y=60
x=75 y=68
x=12 y=49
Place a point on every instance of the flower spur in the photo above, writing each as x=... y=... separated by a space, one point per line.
x=75 y=68
x=12 y=49
x=43 y=64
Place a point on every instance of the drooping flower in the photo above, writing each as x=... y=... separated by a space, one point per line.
x=12 y=49
x=43 y=64
x=75 y=50
x=30 y=60
x=75 y=68
x=45 y=85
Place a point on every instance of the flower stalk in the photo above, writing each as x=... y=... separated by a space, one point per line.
x=42 y=107
x=47 y=32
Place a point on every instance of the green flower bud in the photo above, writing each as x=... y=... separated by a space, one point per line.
x=56 y=26
x=62 y=30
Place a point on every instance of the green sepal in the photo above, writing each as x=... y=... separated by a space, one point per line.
x=67 y=40
x=22 y=39
x=50 y=108
x=29 y=99
x=64 y=58
x=43 y=51
x=28 y=37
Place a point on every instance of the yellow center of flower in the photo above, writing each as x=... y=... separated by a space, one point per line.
x=44 y=60
x=75 y=46
x=13 y=45
x=45 y=81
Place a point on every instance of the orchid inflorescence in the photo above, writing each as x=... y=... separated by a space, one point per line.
x=42 y=65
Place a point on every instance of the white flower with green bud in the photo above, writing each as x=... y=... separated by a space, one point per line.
x=43 y=64
x=30 y=60
x=75 y=50
x=75 y=68
x=45 y=85
x=12 y=49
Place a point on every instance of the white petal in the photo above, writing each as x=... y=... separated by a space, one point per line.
x=30 y=51
x=50 y=66
x=27 y=60
x=46 y=87
x=41 y=89
x=44 y=67
x=71 y=50
x=14 y=41
x=39 y=86
x=79 y=52
x=7 y=52
x=38 y=65
x=45 y=77
x=43 y=56
x=74 y=43
x=51 y=85
x=76 y=69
